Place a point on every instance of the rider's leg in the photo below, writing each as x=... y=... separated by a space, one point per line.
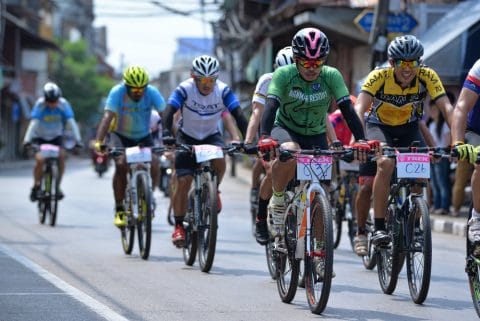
x=37 y=170
x=155 y=171
x=381 y=189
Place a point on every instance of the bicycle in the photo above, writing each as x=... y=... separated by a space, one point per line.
x=201 y=222
x=407 y=223
x=50 y=185
x=308 y=229
x=138 y=197
x=342 y=196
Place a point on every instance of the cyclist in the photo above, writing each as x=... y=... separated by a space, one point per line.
x=466 y=126
x=50 y=115
x=296 y=107
x=395 y=96
x=201 y=100
x=127 y=114
x=284 y=57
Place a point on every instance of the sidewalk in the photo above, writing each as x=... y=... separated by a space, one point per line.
x=440 y=223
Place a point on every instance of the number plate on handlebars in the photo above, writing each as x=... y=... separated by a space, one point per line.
x=138 y=154
x=49 y=151
x=314 y=167
x=413 y=165
x=207 y=152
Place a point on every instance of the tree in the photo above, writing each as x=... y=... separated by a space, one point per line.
x=75 y=72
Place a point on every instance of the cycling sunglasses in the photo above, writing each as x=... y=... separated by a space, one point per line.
x=206 y=80
x=405 y=64
x=136 y=90
x=311 y=63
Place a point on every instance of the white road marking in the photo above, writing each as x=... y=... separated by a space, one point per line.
x=80 y=296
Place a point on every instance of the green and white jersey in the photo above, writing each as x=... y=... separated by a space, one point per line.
x=304 y=104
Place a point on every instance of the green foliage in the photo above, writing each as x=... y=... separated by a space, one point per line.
x=75 y=73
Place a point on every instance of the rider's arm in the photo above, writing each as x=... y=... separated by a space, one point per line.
x=331 y=135
x=353 y=120
x=443 y=103
x=254 y=123
x=102 y=130
x=30 y=130
x=268 y=117
x=230 y=126
x=242 y=124
x=465 y=103
x=426 y=134
x=76 y=132
x=167 y=118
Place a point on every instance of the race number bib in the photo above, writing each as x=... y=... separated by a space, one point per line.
x=49 y=151
x=206 y=152
x=311 y=167
x=138 y=154
x=413 y=165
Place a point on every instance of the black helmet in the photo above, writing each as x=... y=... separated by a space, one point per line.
x=51 y=92
x=310 y=43
x=405 y=48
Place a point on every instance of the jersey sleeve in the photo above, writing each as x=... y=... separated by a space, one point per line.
x=35 y=114
x=113 y=102
x=433 y=83
x=278 y=83
x=67 y=109
x=337 y=85
x=158 y=101
x=229 y=99
x=472 y=81
x=177 y=98
x=373 y=82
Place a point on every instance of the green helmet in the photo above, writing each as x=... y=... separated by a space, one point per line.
x=135 y=76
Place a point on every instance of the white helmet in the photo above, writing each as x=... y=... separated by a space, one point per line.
x=284 y=57
x=205 y=66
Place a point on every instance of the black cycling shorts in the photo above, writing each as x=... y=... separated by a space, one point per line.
x=184 y=161
x=398 y=136
x=283 y=135
x=58 y=141
x=117 y=140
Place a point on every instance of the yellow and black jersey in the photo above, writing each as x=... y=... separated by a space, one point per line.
x=395 y=106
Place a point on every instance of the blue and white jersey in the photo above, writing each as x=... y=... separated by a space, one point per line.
x=133 y=117
x=472 y=82
x=51 y=121
x=201 y=114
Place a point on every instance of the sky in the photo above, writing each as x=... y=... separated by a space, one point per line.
x=144 y=33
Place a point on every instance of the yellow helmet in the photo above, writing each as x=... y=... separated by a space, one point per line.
x=135 y=76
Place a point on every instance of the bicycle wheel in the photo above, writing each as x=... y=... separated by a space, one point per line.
x=55 y=188
x=43 y=203
x=127 y=234
x=338 y=215
x=369 y=260
x=207 y=226
x=389 y=257
x=288 y=267
x=270 y=260
x=191 y=238
x=144 y=220
x=472 y=268
x=320 y=260
x=419 y=255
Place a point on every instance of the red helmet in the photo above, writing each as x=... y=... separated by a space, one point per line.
x=310 y=43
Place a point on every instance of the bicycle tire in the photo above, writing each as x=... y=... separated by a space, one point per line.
x=338 y=215
x=170 y=217
x=351 y=224
x=144 y=220
x=389 y=257
x=419 y=255
x=472 y=268
x=270 y=261
x=369 y=260
x=287 y=266
x=207 y=227
x=42 y=201
x=317 y=289
x=54 y=196
x=127 y=233
x=191 y=238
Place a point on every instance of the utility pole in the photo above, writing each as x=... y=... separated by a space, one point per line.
x=378 y=34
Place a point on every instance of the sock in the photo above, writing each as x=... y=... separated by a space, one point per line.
x=178 y=220
x=262 y=209
x=278 y=198
x=380 y=224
